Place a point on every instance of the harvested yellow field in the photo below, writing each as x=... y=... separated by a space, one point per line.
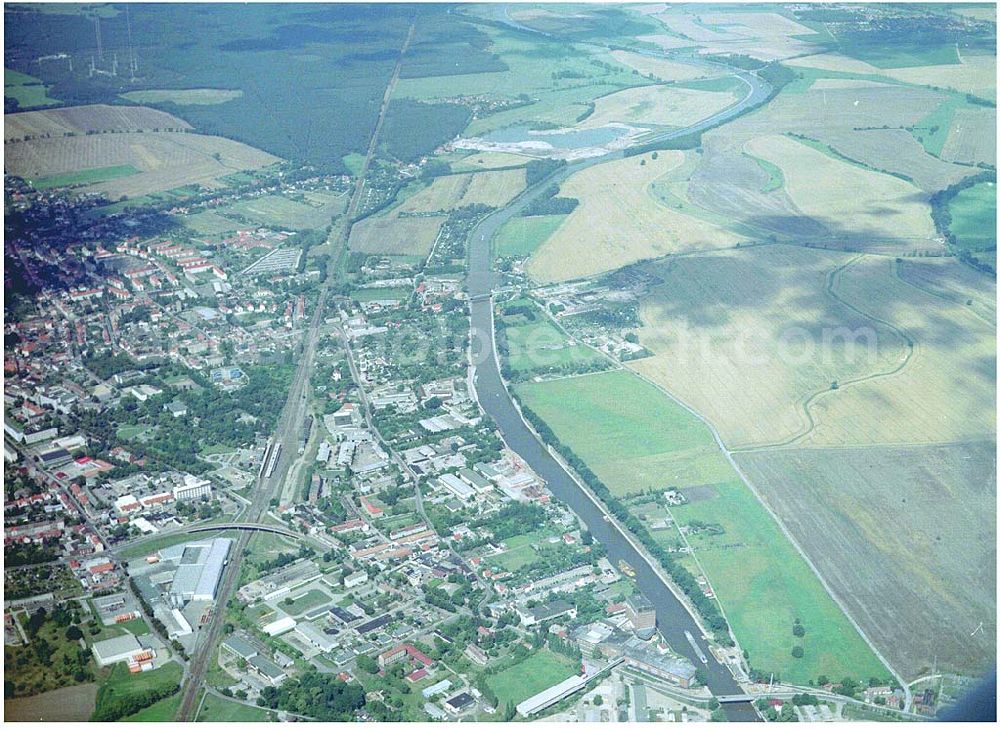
x=396 y=235
x=448 y=192
x=834 y=62
x=487 y=161
x=618 y=222
x=184 y=97
x=164 y=160
x=974 y=75
x=662 y=68
x=739 y=336
x=495 y=189
x=661 y=105
x=767 y=36
x=839 y=84
x=941 y=391
x=664 y=41
x=972 y=136
x=84 y=119
x=755 y=339
x=442 y=194
x=852 y=202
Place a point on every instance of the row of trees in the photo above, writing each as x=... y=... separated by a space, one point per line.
x=706 y=607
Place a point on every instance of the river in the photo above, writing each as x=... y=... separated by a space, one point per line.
x=672 y=617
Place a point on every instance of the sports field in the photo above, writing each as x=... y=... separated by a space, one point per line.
x=909 y=529
x=541 y=347
x=217 y=709
x=531 y=676
x=314 y=210
x=635 y=438
x=519 y=237
x=619 y=222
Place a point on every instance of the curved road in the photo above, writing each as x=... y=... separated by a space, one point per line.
x=673 y=619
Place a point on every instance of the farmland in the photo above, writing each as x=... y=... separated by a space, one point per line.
x=313 y=210
x=618 y=222
x=972 y=136
x=495 y=189
x=76 y=120
x=519 y=237
x=932 y=575
x=668 y=106
x=27 y=90
x=661 y=68
x=638 y=439
x=531 y=676
x=974 y=216
x=183 y=97
x=559 y=78
x=73 y=703
x=937 y=395
x=756 y=340
x=826 y=189
x=164 y=160
x=737 y=335
x=396 y=235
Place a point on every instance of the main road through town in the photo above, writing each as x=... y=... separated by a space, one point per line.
x=673 y=619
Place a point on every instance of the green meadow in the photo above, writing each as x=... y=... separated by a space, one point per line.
x=635 y=438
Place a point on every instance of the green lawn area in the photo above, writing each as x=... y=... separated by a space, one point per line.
x=932 y=130
x=120 y=683
x=532 y=675
x=519 y=237
x=218 y=709
x=162 y=710
x=974 y=216
x=775 y=178
x=381 y=293
x=27 y=90
x=278 y=211
x=520 y=549
x=354 y=162
x=85 y=177
x=539 y=346
x=634 y=437
x=313 y=598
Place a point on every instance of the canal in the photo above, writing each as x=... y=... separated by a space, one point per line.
x=673 y=620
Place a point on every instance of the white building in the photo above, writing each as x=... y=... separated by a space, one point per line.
x=192 y=488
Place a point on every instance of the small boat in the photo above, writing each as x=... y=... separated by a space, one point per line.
x=626 y=568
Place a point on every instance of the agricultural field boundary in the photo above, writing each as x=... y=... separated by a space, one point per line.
x=753 y=489
x=831 y=283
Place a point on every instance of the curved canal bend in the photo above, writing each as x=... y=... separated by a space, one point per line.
x=672 y=618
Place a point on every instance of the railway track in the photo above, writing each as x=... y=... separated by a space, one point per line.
x=271 y=477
